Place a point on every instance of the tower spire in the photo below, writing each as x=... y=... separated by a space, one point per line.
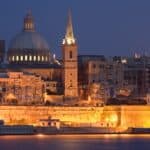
x=69 y=36
x=70 y=62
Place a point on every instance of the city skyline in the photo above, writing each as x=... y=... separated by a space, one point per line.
x=100 y=27
x=74 y=68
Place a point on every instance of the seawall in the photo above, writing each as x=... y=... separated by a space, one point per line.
x=114 y=116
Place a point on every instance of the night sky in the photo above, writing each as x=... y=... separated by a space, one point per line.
x=104 y=27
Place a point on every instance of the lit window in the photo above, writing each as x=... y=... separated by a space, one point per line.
x=13 y=58
x=17 y=58
x=30 y=58
x=21 y=58
x=42 y=58
x=26 y=57
x=45 y=58
x=34 y=58
x=38 y=58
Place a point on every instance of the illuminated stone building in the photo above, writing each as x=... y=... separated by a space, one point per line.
x=137 y=75
x=29 y=53
x=29 y=47
x=74 y=76
x=96 y=69
x=70 y=62
x=32 y=76
x=21 y=88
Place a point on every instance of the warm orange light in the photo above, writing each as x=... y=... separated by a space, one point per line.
x=113 y=118
x=40 y=135
x=10 y=96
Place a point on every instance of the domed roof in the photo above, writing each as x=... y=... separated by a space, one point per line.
x=28 y=47
x=28 y=40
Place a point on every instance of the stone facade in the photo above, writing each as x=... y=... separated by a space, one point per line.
x=70 y=62
x=108 y=116
x=70 y=76
x=106 y=73
x=21 y=88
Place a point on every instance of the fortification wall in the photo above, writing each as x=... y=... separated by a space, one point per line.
x=135 y=116
x=126 y=116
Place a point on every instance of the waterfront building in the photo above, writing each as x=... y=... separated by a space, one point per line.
x=32 y=78
x=21 y=88
x=29 y=53
x=137 y=75
x=105 y=72
x=93 y=78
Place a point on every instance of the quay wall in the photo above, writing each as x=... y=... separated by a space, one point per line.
x=123 y=116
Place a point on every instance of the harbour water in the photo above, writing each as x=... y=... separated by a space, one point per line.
x=76 y=142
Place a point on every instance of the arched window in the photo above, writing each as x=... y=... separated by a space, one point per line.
x=45 y=58
x=42 y=58
x=38 y=58
x=17 y=58
x=13 y=58
x=30 y=58
x=26 y=58
x=21 y=58
x=70 y=54
x=34 y=58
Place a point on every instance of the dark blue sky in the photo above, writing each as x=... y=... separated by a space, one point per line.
x=109 y=27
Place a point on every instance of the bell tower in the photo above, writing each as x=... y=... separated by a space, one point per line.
x=70 y=61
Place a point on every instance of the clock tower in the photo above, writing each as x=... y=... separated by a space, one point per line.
x=70 y=61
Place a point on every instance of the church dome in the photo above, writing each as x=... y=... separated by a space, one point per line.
x=29 y=47
x=28 y=40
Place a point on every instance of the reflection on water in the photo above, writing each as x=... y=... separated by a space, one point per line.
x=76 y=142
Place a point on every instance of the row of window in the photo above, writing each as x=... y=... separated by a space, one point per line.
x=29 y=26
x=100 y=66
x=28 y=58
